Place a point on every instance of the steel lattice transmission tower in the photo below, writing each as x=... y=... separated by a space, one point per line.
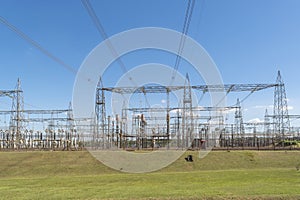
x=100 y=115
x=187 y=114
x=17 y=118
x=239 y=124
x=281 y=116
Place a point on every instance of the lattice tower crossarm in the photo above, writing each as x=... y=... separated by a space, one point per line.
x=205 y=88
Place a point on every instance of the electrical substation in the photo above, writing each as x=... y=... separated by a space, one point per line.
x=149 y=128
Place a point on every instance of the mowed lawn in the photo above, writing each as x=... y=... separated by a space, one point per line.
x=220 y=175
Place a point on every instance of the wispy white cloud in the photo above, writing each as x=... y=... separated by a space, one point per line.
x=255 y=120
x=175 y=111
x=262 y=106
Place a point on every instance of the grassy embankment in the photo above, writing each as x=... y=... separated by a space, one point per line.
x=220 y=175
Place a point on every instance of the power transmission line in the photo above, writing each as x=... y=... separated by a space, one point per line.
x=186 y=24
x=37 y=45
x=106 y=39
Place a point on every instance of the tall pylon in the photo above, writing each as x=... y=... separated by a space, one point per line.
x=281 y=116
x=239 y=124
x=17 y=117
x=187 y=114
x=100 y=115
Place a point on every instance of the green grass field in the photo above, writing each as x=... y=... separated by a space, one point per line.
x=220 y=175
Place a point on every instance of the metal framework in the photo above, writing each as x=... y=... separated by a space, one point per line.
x=239 y=124
x=205 y=88
x=281 y=116
x=186 y=126
x=99 y=135
x=183 y=126
x=187 y=115
x=37 y=129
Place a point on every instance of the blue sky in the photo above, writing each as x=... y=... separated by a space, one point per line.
x=248 y=40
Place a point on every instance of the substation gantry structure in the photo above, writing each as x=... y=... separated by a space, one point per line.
x=183 y=126
x=37 y=129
